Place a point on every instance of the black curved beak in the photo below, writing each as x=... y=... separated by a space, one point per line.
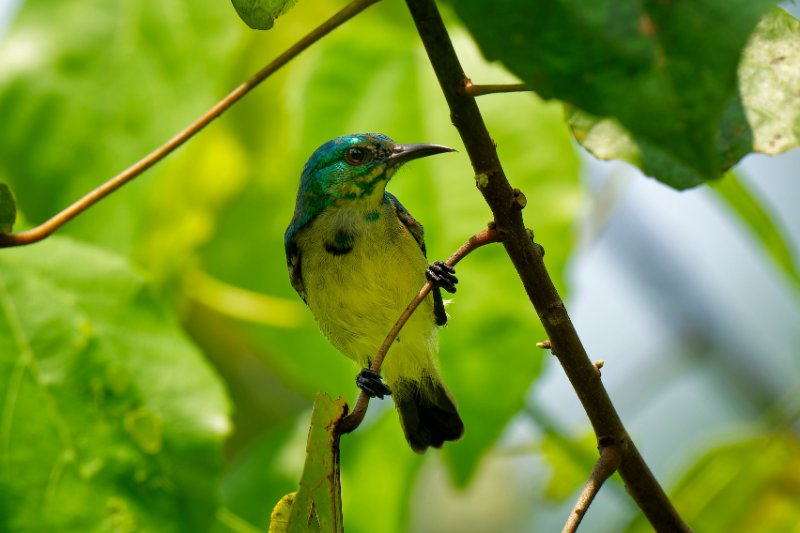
x=402 y=153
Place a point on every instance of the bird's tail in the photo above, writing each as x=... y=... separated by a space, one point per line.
x=428 y=412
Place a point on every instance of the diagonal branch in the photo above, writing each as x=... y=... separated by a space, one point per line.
x=527 y=259
x=353 y=420
x=46 y=228
x=606 y=465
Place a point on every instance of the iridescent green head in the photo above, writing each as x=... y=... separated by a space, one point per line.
x=355 y=167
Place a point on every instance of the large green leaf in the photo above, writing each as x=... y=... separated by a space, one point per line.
x=665 y=71
x=111 y=420
x=762 y=116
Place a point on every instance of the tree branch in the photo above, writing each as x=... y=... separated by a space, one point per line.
x=48 y=227
x=353 y=420
x=527 y=259
x=606 y=465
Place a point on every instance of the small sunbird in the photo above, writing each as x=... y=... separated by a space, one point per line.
x=356 y=256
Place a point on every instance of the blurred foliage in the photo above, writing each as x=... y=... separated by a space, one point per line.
x=773 y=239
x=761 y=116
x=749 y=484
x=87 y=88
x=8 y=209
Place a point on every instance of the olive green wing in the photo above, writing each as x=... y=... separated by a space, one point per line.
x=417 y=231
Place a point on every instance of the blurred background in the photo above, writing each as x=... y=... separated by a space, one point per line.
x=683 y=295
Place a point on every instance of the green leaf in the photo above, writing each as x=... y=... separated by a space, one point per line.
x=665 y=72
x=762 y=116
x=8 y=209
x=752 y=484
x=111 y=420
x=261 y=14
x=758 y=220
x=317 y=505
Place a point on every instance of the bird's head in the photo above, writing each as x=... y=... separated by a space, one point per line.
x=356 y=167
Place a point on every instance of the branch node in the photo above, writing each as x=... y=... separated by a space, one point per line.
x=482 y=180
x=605 y=441
x=598 y=365
x=519 y=199
x=544 y=345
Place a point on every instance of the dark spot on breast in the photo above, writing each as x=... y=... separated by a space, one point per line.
x=372 y=217
x=341 y=243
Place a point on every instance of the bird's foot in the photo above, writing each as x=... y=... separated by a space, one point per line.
x=371 y=384
x=442 y=275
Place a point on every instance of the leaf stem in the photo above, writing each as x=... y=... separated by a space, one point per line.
x=527 y=259
x=353 y=420
x=51 y=225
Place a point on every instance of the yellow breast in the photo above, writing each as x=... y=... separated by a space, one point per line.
x=357 y=296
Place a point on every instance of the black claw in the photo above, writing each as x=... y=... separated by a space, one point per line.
x=371 y=384
x=442 y=275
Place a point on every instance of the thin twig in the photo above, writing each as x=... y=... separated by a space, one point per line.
x=527 y=259
x=481 y=90
x=353 y=420
x=606 y=465
x=46 y=228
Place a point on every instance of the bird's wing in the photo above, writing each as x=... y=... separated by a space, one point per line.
x=411 y=224
x=415 y=228
x=293 y=260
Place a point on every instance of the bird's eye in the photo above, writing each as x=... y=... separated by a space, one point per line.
x=356 y=155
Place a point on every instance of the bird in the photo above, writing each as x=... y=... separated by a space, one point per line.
x=357 y=257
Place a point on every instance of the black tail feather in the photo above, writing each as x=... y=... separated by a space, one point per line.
x=428 y=413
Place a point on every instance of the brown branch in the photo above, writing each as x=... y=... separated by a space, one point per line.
x=48 y=227
x=527 y=259
x=480 y=90
x=606 y=465
x=353 y=420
